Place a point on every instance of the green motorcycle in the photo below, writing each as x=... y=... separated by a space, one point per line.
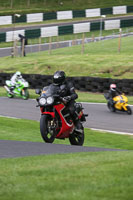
x=20 y=89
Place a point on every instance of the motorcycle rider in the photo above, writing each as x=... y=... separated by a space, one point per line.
x=69 y=95
x=14 y=79
x=113 y=92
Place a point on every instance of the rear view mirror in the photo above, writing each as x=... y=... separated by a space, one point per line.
x=38 y=91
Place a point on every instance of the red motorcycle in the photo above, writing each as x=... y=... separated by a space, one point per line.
x=55 y=121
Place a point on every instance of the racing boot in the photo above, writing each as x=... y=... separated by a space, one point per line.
x=78 y=126
x=11 y=89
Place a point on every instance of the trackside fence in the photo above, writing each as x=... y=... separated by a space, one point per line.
x=75 y=28
x=59 y=15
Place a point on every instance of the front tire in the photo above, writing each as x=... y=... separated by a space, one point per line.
x=46 y=132
x=129 y=111
x=77 y=138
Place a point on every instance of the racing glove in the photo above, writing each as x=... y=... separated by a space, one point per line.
x=66 y=99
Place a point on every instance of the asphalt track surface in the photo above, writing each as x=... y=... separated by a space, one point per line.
x=13 y=149
x=99 y=117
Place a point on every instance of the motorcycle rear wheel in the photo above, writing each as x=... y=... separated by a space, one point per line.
x=25 y=96
x=9 y=95
x=110 y=107
x=129 y=111
x=47 y=136
x=77 y=138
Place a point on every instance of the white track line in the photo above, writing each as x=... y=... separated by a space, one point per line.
x=9 y=117
x=97 y=103
x=109 y=131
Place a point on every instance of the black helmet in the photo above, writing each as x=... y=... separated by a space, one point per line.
x=59 y=77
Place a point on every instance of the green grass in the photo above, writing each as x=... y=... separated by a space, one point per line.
x=82 y=96
x=103 y=175
x=54 y=5
x=100 y=59
x=97 y=175
x=28 y=130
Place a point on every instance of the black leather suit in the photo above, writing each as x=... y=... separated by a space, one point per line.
x=68 y=90
x=113 y=94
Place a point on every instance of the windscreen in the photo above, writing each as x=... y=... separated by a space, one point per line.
x=50 y=90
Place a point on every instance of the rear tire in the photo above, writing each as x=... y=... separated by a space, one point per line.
x=110 y=107
x=129 y=111
x=77 y=138
x=26 y=94
x=9 y=95
x=45 y=129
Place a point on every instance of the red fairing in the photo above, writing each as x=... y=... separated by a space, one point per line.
x=47 y=113
x=66 y=128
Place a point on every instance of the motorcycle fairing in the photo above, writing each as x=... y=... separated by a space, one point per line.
x=121 y=102
x=66 y=128
x=125 y=106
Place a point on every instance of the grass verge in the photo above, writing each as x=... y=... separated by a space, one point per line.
x=100 y=59
x=82 y=96
x=103 y=175
x=25 y=6
x=97 y=175
x=28 y=130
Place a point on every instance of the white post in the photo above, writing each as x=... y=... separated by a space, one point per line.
x=119 y=42
x=28 y=3
x=40 y=41
x=11 y=4
x=83 y=42
x=102 y=16
x=50 y=45
x=13 y=45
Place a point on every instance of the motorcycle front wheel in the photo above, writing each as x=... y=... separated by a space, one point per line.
x=129 y=111
x=46 y=130
x=77 y=138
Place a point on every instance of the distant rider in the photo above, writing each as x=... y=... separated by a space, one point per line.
x=14 y=80
x=113 y=92
x=69 y=95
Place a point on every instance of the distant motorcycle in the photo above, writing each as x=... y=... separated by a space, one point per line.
x=120 y=104
x=20 y=90
x=55 y=121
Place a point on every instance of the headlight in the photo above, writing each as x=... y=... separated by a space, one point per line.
x=42 y=101
x=50 y=100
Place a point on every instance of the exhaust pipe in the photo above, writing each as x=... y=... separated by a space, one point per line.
x=7 y=89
